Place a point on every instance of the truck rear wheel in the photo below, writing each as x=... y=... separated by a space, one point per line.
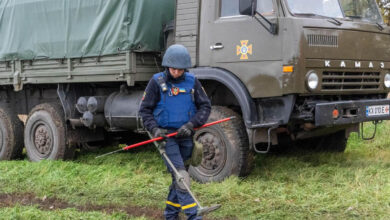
x=226 y=148
x=44 y=134
x=11 y=135
x=92 y=146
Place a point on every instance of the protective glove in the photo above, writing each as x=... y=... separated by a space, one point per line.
x=159 y=132
x=185 y=130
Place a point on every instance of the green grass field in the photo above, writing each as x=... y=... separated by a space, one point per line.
x=133 y=185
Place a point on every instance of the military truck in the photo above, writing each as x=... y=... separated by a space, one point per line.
x=289 y=70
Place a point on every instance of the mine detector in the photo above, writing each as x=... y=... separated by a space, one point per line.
x=289 y=70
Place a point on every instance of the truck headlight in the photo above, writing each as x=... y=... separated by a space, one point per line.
x=387 y=80
x=312 y=80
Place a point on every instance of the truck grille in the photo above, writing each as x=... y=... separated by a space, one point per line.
x=317 y=40
x=350 y=81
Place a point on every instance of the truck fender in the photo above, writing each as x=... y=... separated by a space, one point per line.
x=234 y=84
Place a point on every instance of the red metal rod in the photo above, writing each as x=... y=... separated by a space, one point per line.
x=174 y=133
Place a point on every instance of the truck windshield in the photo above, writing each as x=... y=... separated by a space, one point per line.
x=365 y=10
x=325 y=8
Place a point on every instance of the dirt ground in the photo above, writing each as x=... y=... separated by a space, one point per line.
x=29 y=199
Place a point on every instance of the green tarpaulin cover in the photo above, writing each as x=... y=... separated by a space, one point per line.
x=35 y=29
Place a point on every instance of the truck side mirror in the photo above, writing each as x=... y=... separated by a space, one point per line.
x=248 y=7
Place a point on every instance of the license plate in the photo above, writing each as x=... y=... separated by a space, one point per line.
x=377 y=110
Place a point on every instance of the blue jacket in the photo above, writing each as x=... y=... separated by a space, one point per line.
x=177 y=104
x=153 y=96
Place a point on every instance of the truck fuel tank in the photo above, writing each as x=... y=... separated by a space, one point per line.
x=121 y=110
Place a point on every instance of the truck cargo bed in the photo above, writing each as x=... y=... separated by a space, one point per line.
x=127 y=67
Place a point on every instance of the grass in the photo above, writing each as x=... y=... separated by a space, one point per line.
x=293 y=185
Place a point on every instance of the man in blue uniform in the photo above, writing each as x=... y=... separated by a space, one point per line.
x=174 y=100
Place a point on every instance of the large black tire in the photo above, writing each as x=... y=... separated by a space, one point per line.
x=11 y=135
x=44 y=133
x=335 y=142
x=92 y=146
x=226 y=148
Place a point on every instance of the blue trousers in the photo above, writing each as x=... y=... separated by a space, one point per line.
x=179 y=150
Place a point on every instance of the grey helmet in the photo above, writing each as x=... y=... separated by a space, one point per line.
x=177 y=57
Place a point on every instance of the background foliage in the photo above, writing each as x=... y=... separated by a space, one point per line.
x=385 y=8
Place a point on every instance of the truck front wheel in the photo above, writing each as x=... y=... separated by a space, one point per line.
x=11 y=135
x=44 y=134
x=335 y=142
x=225 y=148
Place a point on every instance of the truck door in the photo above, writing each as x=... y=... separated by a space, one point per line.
x=240 y=44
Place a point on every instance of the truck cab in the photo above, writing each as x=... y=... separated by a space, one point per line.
x=295 y=70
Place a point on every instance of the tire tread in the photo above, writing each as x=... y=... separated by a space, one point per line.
x=57 y=113
x=235 y=132
x=15 y=128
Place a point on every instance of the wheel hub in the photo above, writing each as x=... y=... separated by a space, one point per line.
x=212 y=153
x=42 y=139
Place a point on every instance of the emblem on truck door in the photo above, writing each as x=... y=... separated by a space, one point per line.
x=244 y=50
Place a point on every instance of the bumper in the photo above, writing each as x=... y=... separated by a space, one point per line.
x=351 y=112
